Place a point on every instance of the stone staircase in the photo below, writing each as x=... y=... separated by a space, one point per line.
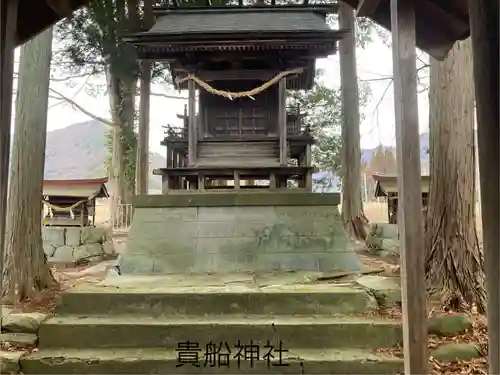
x=157 y=325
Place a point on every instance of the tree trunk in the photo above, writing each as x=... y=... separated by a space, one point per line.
x=352 y=205
x=122 y=103
x=27 y=269
x=454 y=264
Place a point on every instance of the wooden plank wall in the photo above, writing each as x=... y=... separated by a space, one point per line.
x=222 y=117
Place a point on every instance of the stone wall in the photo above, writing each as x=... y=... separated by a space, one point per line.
x=228 y=233
x=383 y=239
x=73 y=245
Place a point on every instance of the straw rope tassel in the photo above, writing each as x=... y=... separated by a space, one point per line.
x=69 y=208
x=234 y=95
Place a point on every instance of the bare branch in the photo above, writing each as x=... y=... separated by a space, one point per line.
x=386 y=78
x=389 y=78
x=382 y=97
x=63 y=79
x=80 y=108
x=167 y=96
x=56 y=104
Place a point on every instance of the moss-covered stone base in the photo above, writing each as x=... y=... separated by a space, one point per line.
x=187 y=233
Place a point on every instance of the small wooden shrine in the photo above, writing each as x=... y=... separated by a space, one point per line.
x=387 y=187
x=71 y=203
x=242 y=60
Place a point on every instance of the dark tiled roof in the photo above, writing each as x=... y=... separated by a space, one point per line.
x=240 y=21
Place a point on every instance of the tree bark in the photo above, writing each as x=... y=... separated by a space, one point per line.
x=454 y=263
x=27 y=269
x=122 y=103
x=352 y=205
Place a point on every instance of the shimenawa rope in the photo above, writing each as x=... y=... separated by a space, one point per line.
x=68 y=208
x=234 y=95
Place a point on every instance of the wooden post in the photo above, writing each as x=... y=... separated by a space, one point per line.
x=282 y=121
x=236 y=180
x=170 y=159
x=409 y=189
x=93 y=212
x=272 y=181
x=8 y=24
x=201 y=182
x=165 y=184
x=483 y=15
x=142 y=163
x=192 y=123
x=308 y=162
x=82 y=215
x=142 y=169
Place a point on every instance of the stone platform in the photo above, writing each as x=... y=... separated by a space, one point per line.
x=142 y=325
x=237 y=231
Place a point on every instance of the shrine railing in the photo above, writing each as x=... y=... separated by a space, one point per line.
x=122 y=217
x=230 y=125
x=175 y=132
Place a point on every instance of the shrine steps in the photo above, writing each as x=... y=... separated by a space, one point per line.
x=176 y=300
x=149 y=332
x=161 y=361
x=135 y=328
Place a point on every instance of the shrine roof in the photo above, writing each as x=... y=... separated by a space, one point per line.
x=83 y=188
x=388 y=184
x=228 y=20
x=232 y=28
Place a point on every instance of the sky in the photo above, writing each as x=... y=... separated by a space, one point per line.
x=374 y=64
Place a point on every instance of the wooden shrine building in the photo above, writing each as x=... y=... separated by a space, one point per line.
x=387 y=187
x=433 y=25
x=70 y=203
x=242 y=60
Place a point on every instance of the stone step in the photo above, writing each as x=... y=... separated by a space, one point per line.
x=18 y=339
x=144 y=332
x=161 y=361
x=325 y=299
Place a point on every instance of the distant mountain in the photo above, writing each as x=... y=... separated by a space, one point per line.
x=79 y=151
x=367 y=154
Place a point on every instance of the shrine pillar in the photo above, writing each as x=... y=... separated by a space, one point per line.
x=282 y=122
x=192 y=128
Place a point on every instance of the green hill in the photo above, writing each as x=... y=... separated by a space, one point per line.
x=79 y=151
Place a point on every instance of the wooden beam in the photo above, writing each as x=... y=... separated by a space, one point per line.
x=367 y=8
x=8 y=25
x=192 y=123
x=484 y=31
x=63 y=8
x=410 y=204
x=282 y=122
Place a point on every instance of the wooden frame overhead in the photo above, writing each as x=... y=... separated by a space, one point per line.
x=438 y=23
x=434 y=26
